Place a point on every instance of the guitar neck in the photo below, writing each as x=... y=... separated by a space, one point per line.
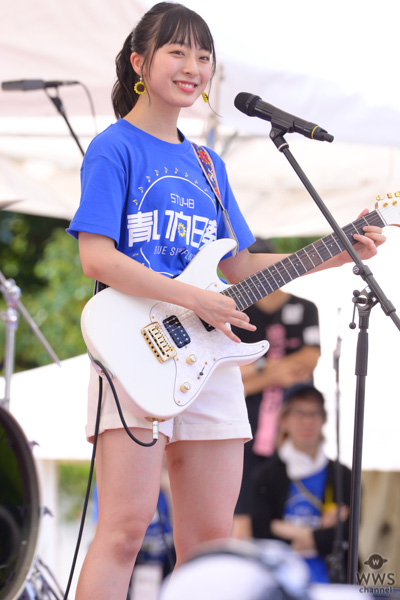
x=261 y=284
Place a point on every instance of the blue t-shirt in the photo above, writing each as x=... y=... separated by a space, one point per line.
x=152 y=198
x=299 y=510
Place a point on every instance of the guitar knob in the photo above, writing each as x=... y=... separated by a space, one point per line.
x=185 y=387
x=191 y=359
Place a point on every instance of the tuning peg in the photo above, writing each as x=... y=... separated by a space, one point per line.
x=389 y=195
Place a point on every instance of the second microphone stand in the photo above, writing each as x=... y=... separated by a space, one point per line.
x=56 y=100
x=364 y=301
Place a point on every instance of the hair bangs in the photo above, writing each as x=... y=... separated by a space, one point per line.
x=183 y=26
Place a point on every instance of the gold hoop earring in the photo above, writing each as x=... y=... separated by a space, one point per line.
x=140 y=87
x=205 y=97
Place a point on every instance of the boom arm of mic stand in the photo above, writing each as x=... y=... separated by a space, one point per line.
x=56 y=100
x=373 y=295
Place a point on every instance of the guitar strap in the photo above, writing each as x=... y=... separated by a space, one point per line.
x=316 y=502
x=207 y=167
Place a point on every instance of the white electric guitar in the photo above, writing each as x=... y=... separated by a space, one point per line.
x=163 y=354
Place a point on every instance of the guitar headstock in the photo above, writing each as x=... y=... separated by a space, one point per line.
x=389 y=208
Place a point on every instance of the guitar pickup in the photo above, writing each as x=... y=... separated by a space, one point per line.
x=207 y=326
x=176 y=331
x=154 y=336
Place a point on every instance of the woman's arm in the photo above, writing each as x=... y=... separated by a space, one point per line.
x=102 y=261
x=244 y=264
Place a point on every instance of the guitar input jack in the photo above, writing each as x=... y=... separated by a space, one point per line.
x=155 y=429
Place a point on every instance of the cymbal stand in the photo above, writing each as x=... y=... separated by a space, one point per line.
x=11 y=293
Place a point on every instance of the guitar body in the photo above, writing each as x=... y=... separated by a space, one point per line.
x=163 y=354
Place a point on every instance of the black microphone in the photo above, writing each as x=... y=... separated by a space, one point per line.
x=26 y=85
x=253 y=106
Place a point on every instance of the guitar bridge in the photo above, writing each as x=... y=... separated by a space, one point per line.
x=154 y=336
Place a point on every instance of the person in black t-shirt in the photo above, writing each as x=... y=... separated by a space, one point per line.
x=291 y=326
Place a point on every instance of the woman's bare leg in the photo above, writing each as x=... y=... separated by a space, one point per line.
x=128 y=478
x=205 y=481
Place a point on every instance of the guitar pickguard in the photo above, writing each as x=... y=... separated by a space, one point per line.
x=204 y=350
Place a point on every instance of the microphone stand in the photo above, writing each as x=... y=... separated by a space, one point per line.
x=56 y=100
x=336 y=558
x=364 y=301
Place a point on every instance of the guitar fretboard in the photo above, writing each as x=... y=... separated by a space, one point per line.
x=263 y=283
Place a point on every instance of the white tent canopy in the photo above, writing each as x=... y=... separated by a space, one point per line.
x=330 y=65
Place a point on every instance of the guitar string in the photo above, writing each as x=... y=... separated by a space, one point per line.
x=268 y=276
x=321 y=248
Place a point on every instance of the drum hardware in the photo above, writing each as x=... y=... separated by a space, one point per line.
x=41 y=584
x=11 y=293
x=22 y=574
x=19 y=507
x=9 y=536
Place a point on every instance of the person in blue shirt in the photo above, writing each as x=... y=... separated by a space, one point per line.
x=146 y=210
x=295 y=493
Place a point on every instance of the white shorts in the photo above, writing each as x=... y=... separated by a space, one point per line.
x=219 y=411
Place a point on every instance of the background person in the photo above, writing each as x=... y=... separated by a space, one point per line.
x=295 y=493
x=291 y=326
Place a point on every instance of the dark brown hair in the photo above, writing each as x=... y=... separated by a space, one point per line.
x=300 y=391
x=165 y=23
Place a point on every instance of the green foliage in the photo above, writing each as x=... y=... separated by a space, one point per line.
x=44 y=262
x=292 y=244
x=23 y=240
x=72 y=484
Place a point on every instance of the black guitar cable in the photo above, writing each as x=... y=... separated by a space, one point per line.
x=121 y=416
x=92 y=461
x=88 y=488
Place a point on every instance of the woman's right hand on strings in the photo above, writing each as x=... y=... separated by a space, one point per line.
x=220 y=311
